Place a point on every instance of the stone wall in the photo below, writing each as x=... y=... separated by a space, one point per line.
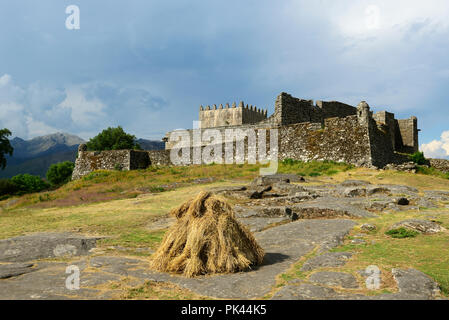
x=351 y=139
x=159 y=157
x=290 y=110
x=363 y=139
x=440 y=164
x=89 y=161
x=341 y=140
x=332 y=109
x=409 y=135
x=387 y=124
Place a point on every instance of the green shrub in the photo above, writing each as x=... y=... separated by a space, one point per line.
x=7 y=187
x=418 y=158
x=60 y=173
x=402 y=233
x=28 y=183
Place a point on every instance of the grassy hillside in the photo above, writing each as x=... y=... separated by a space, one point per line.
x=103 y=186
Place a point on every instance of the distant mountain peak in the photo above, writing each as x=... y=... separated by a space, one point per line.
x=37 y=146
x=59 y=138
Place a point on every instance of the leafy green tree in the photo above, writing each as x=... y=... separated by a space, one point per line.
x=113 y=139
x=5 y=147
x=7 y=187
x=28 y=183
x=60 y=173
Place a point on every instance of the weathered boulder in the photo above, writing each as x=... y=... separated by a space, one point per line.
x=368 y=227
x=258 y=193
x=354 y=192
x=274 y=178
x=415 y=283
x=423 y=226
x=410 y=167
x=372 y=190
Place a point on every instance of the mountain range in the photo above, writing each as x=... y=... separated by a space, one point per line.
x=36 y=155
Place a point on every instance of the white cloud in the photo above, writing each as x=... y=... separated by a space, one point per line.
x=84 y=112
x=383 y=18
x=38 y=110
x=11 y=117
x=437 y=148
x=38 y=128
x=4 y=80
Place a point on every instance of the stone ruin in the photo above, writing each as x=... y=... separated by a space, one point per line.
x=324 y=130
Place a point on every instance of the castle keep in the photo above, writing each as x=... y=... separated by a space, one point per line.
x=324 y=130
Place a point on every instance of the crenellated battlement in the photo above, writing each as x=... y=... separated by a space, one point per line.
x=211 y=117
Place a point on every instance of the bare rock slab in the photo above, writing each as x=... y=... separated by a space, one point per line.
x=307 y=291
x=15 y=269
x=45 y=245
x=335 y=279
x=329 y=259
x=414 y=282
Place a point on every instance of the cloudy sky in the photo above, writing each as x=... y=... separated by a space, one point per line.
x=147 y=65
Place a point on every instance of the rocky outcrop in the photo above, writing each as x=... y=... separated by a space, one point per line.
x=423 y=226
x=45 y=245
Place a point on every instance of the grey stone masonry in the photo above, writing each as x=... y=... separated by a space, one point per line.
x=326 y=130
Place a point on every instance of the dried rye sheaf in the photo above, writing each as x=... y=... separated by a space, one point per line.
x=206 y=239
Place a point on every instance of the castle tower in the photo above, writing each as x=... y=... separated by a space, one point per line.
x=363 y=113
x=230 y=116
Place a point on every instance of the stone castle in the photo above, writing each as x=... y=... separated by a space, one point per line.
x=324 y=130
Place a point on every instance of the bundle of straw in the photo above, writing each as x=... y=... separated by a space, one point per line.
x=206 y=239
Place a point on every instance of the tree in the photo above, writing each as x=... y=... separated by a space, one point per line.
x=113 y=139
x=7 y=187
x=5 y=147
x=28 y=183
x=60 y=173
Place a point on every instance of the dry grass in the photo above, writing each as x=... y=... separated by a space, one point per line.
x=206 y=239
x=419 y=181
x=103 y=186
x=124 y=221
